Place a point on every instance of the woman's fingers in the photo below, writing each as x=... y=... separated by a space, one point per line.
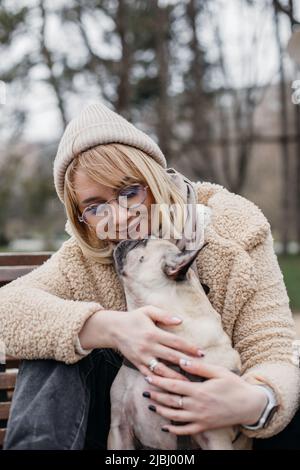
x=143 y=369
x=160 y=369
x=184 y=429
x=165 y=371
x=155 y=343
x=172 y=413
x=171 y=355
x=180 y=344
x=199 y=367
x=180 y=387
x=169 y=399
x=159 y=315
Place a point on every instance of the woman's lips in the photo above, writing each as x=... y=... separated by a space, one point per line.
x=128 y=233
x=129 y=228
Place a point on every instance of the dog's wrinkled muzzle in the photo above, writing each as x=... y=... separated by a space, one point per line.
x=122 y=250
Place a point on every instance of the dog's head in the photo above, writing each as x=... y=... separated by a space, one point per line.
x=152 y=262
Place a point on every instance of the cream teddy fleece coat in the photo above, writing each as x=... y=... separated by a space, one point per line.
x=42 y=312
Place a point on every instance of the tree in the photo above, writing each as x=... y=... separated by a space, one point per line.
x=198 y=100
x=289 y=11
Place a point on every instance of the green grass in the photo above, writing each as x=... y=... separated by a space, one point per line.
x=290 y=266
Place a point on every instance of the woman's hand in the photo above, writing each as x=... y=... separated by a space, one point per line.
x=140 y=340
x=224 y=400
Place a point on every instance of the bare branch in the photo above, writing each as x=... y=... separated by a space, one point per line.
x=47 y=55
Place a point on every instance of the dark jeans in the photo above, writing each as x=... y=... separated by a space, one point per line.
x=59 y=406
x=289 y=438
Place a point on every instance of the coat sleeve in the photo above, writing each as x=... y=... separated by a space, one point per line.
x=264 y=333
x=38 y=318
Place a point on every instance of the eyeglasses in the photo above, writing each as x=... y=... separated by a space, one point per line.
x=129 y=197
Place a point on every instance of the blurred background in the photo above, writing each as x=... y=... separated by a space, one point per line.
x=209 y=80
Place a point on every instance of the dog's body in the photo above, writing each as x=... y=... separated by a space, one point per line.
x=155 y=272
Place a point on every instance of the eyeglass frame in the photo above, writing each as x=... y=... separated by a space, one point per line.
x=81 y=219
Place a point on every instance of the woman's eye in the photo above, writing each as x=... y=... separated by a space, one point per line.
x=130 y=192
x=92 y=210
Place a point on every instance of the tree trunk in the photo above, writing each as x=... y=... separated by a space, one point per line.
x=124 y=89
x=161 y=34
x=285 y=158
x=49 y=61
x=198 y=103
x=293 y=22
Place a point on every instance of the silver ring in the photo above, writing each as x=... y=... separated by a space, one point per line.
x=180 y=402
x=153 y=364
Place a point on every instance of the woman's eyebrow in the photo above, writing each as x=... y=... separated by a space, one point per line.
x=91 y=199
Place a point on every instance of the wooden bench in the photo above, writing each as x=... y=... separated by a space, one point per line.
x=12 y=266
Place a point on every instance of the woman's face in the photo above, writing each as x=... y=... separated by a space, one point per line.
x=89 y=193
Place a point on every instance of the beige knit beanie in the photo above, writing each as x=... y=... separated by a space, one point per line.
x=95 y=125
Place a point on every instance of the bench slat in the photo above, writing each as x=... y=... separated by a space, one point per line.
x=4 y=410
x=2 y=435
x=8 y=274
x=24 y=259
x=12 y=363
x=7 y=380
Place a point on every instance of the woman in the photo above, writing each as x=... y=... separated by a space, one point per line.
x=70 y=313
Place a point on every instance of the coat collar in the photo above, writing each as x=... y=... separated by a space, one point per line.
x=233 y=217
x=225 y=264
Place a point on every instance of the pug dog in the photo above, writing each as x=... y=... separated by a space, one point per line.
x=155 y=272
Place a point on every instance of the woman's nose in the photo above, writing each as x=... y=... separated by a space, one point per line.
x=120 y=215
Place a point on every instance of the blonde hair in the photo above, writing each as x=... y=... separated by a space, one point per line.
x=113 y=165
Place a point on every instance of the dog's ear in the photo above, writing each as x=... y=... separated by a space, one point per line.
x=177 y=265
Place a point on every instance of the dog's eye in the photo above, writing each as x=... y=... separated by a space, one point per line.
x=141 y=259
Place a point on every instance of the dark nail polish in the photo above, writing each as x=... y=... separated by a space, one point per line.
x=200 y=353
x=146 y=394
x=152 y=407
x=165 y=430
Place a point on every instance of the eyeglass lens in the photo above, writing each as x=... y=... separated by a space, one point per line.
x=128 y=197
